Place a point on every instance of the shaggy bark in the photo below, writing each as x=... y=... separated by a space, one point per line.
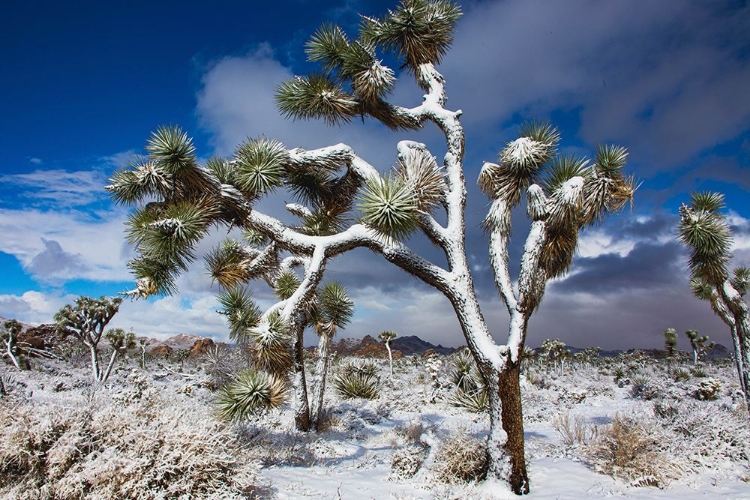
x=321 y=372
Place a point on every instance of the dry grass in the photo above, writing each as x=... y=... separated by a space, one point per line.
x=629 y=450
x=461 y=458
x=575 y=431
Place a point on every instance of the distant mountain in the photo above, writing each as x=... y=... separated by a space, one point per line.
x=412 y=344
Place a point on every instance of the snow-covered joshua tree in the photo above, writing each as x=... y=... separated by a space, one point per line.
x=699 y=344
x=705 y=230
x=344 y=202
x=386 y=336
x=9 y=336
x=86 y=321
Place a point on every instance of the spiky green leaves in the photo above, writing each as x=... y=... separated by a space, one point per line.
x=707 y=201
x=241 y=312
x=250 y=393
x=420 y=31
x=286 y=285
x=316 y=96
x=168 y=234
x=260 y=166
x=140 y=179
x=707 y=234
x=270 y=344
x=171 y=148
x=228 y=263
x=389 y=205
x=419 y=170
x=741 y=280
x=334 y=307
x=521 y=163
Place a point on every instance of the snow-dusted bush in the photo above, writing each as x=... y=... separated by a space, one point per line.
x=476 y=401
x=630 y=450
x=407 y=461
x=461 y=458
x=643 y=387
x=144 y=451
x=708 y=389
x=356 y=385
x=681 y=375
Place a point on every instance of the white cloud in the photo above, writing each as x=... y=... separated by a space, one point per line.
x=36 y=161
x=59 y=188
x=33 y=307
x=99 y=243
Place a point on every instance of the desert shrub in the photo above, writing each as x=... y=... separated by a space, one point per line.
x=356 y=385
x=138 y=451
x=251 y=392
x=537 y=379
x=476 y=401
x=629 y=450
x=703 y=434
x=407 y=461
x=699 y=372
x=464 y=373
x=461 y=458
x=708 y=389
x=643 y=388
x=355 y=367
x=681 y=375
x=575 y=431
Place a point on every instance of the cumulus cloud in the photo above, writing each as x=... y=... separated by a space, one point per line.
x=53 y=264
x=66 y=239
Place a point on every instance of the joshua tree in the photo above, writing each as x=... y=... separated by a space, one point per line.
x=698 y=344
x=705 y=231
x=553 y=350
x=179 y=201
x=386 y=336
x=119 y=341
x=86 y=322
x=670 y=345
x=333 y=309
x=9 y=336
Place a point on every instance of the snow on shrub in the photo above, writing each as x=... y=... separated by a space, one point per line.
x=146 y=450
x=630 y=450
x=461 y=458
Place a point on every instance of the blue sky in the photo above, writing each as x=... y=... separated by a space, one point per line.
x=84 y=83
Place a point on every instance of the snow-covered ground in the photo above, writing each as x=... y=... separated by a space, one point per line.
x=623 y=428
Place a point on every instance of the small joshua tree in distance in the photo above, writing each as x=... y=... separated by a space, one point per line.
x=699 y=345
x=386 y=336
x=9 y=336
x=119 y=341
x=670 y=346
x=706 y=232
x=86 y=321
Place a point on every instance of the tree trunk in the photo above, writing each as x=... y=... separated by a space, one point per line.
x=390 y=358
x=94 y=362
x=506 y=450
x=301 y=405
x=321 y=372
x=109 y=366
x=11 y=355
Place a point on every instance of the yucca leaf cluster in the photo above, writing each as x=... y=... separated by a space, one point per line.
x=252 y=392
x=565 y=191
x=704 y=229
x=470 y=392
x=350 y=385
x=354 y=81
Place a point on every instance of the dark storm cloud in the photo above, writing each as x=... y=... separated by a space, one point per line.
x=646 y=266
x=669 y=79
